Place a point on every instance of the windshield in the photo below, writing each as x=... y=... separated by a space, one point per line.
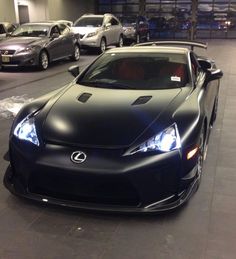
x=137 y=71
x=31 y=31
x=128 y=20
x=89 y=22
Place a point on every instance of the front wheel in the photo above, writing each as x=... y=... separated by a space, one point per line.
x=120 y=44
x=43 y=60
x=76 y=54
x=103 y=45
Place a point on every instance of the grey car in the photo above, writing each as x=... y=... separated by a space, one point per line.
x=99 y=31
x=38 y=44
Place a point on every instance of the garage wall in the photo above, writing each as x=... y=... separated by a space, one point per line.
x=69 y=9
x=7 y=11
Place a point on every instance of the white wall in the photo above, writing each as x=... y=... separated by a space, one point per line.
x=7 y=11
x=38 y=10
x=69 y=9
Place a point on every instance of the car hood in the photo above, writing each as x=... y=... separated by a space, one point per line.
x=17 y=42
x=84 y=30
x=104 y=117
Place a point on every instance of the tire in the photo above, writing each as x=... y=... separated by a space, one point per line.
x=76 y=54
x=103 y=45
x=201 y=155
x=120 y=44
x=137 y=38
x=43 y=60
x=214 y=112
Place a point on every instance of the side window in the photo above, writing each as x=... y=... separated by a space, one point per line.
x=10 y=28
x=55 y=29
x=114 y=21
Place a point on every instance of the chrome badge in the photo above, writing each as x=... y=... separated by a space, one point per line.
x=78 y=157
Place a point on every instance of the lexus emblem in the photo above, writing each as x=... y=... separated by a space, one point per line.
x=6 y=52
x=78 y=157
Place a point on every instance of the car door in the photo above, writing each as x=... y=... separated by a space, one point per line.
x=67 y=38
x=115 y=30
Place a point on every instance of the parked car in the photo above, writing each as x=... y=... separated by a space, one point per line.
x=38 y=44
x=99 y=31
x=129 y=134
x=136 y=28
x=6 y=28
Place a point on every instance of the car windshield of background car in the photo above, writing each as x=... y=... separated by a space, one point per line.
x=31 y=31
x=137 y=71
x=89 y=22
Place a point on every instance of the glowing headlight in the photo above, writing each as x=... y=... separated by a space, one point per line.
x=25 y=130
x=91 y=34
x=165 y=141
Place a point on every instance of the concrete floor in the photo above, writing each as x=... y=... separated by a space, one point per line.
x=204 y=228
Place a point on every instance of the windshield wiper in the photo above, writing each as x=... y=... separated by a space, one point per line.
x=111 y=85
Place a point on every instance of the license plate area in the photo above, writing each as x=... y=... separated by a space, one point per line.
x=5 y=59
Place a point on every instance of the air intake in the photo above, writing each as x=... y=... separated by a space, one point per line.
x=142 y=100
x=83 y=98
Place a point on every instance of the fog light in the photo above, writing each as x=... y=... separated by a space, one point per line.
x=192 y=153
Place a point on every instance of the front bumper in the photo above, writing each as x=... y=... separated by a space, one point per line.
x=132 y=185
x=20 y=59
x=91 y=42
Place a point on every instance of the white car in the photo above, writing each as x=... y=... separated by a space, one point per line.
x=99 y=31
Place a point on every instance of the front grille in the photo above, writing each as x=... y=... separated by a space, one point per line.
x=100 y=189
x=7 y=52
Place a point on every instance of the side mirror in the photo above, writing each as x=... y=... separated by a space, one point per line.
x=74 y=70
x=214 y=74
x=205 y=65
x=108 y=25
x=55 y=35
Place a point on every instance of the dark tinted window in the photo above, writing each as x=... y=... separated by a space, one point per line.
x=137 y=71
x=114 y=21
x=2 y=29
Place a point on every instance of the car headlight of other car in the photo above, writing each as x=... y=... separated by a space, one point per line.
x=27 y=49
x=165 y=141
x=92 y=34
x=26 y=130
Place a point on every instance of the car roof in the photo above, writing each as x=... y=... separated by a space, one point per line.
x=150 y=49
x=48 y=23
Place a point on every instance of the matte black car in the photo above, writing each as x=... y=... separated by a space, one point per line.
x=136 y=28
x=38 y=44
x=128 y=134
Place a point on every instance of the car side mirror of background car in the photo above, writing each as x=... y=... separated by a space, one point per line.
x=108 y=25
x=74 y=70
x=214 y=74
x=55 y=35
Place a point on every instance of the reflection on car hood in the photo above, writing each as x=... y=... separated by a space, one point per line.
x=84 y=30
x=104 y=117
x=16 y=42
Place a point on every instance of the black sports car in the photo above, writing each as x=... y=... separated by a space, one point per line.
x=128 y=134
x=38 y=44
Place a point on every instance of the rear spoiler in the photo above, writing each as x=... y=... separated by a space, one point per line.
x=192 y=44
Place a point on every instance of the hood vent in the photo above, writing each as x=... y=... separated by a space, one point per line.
x=83 y=98
x=142 y=100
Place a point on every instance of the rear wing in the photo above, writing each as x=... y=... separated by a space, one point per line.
x=191 y=44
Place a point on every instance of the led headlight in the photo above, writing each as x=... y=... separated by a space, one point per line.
x=165 y=141
x=27 y=49
x=25 y=130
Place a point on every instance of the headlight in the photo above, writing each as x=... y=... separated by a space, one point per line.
x=91 y=34
x=25 y=130
x=165 y=141
x=27 y=49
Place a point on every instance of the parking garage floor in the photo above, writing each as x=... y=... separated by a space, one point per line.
x=204 y=228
